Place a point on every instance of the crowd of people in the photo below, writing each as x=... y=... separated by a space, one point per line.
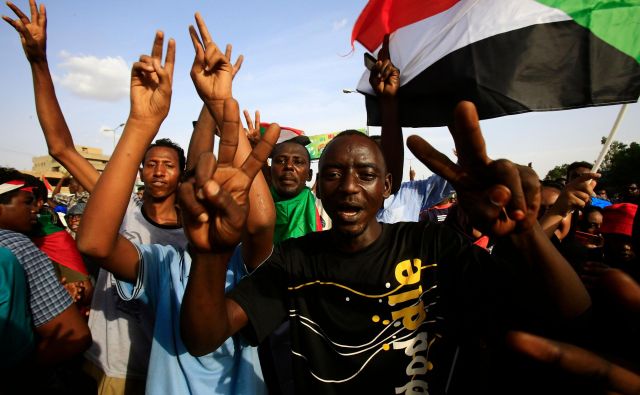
x=228 y=274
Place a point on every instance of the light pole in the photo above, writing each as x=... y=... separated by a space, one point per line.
x=345 y=90
x=114 y=133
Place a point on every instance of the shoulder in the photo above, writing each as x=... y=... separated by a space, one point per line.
x=18 y=243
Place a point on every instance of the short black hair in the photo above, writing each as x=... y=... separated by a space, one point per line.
x=552 y=184
x=10 y=174
x=182 y=160
x=575 y=165
x=353 y=132
x=39 y=189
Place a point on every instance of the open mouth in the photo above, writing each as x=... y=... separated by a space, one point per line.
x=348 y=212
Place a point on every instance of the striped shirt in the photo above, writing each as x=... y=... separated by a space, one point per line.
x=47 y=297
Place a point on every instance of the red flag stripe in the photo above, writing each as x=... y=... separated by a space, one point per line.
x=382 y=17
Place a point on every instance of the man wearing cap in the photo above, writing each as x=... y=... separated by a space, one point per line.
x=61 y=331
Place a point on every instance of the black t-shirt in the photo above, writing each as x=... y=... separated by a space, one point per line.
x=376 y=321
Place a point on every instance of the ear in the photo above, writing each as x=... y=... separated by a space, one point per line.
x=387 y=185
x=310 y=175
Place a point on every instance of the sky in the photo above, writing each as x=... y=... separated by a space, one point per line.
x=298 y=61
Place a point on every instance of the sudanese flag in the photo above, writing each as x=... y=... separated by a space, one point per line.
x=507 y=56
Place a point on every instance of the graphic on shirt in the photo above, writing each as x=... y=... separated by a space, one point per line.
x=403 y=321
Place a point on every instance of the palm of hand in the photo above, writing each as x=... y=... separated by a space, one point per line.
x=146 y=99
x=34 y=42
x=214 y=84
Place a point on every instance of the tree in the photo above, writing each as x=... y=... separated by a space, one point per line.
x=615 y=148
x=623 y=167
x=557 y=172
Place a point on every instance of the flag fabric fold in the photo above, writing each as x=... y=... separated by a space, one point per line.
x=507 y=56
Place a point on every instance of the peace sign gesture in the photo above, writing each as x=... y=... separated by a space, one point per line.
x=215 y=201
x=499 y=196
x=151 y=83
x=211 y=72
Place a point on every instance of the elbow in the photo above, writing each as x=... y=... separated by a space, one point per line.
x=59 y=152
x=199 y=346
x=90 y=247
x=197 y=342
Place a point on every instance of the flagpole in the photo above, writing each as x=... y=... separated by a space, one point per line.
x=607 y=144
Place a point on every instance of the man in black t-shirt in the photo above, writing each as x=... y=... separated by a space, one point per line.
x=378 y=308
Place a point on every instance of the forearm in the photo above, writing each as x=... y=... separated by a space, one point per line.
x=216 y=109
x=552 y=275
x=204 y=322
x=257 y=240
x=56 y=132
x=392 y=140
x=62 y=338
x=202 y=137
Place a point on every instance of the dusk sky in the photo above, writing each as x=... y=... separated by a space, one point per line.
x=298 y=60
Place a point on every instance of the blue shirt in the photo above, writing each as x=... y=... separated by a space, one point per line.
x=412 y=198
x=233 y=368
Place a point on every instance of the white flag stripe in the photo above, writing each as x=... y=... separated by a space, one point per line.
x=417 y=46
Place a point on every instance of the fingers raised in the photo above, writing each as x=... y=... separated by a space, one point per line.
x=204 y=32
x=434 y=159
x=467 y=136
x=170 y=59
x=158 y=42
x=260 y=153
x=383 y=54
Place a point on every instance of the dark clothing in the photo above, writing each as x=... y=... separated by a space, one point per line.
x=384 y=319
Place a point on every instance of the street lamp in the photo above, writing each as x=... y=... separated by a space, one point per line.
x=114 y=133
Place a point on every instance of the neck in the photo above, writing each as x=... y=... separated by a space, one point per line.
x=353 y=243
x=161 y=211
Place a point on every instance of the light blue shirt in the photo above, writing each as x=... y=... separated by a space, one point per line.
x=233 y=368
x=412 y=198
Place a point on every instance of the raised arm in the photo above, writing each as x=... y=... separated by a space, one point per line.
x=98 y=236
x=202 y=138
x=33 y=35
x=502 y=199
x=215 y=206
x=385 y=81
x=210 y=74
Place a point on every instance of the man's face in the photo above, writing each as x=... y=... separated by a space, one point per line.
x=577 y=172
x=161 y=172
x=75 y=187
x=19 y=214
x=290 y=169
x=593 y=223
x=73 y=221
x=353 y=183
x=632 y=190
x=602 y=194
x=618 y=248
